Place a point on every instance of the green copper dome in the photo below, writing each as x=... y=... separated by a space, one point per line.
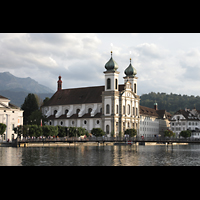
x=111 y=65
x=130 y=70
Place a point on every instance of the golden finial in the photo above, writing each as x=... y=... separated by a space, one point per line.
x=130 y=60
x=111 y=53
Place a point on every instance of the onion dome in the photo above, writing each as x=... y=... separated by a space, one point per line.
x=111 y=65
x=130 y=71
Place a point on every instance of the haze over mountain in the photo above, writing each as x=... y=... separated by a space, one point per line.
x=16 y=84
x=16 y=89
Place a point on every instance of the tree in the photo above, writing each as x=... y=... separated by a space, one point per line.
x=169 y=133
x=50 y=130
x=35 y=118
x=2 y=128
x=97 y=132
x=19 y=130
x=30 y=105
x=45 y=100
x=62 y=131
x=131 y=132
x=185 y=134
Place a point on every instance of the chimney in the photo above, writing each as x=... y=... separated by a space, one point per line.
x=59 y=84
x=155 y=106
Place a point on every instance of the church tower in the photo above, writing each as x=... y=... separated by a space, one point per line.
x=59 y=84
x=130 y=73
x=111 y=75
x=110 y=97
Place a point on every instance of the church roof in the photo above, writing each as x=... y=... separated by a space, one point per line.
x=2 y=97
x=152 y=112
x=111 y=65
x=130 y=70
x=78 y=96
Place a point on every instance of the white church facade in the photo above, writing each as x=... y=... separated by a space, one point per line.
x=112 y=107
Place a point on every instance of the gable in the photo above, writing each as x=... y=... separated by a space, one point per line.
x=128 y=93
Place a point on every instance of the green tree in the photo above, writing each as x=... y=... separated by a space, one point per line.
x=62 y=131
x=50 y=130
x=35 y=118
x=30 y=105
x=46 y=100
x=2 y=128
x=185 y=134
x=97 y=132
x=131 y=132
x=169 y=133
x=18 y=130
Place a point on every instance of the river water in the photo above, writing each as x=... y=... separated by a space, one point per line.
x=127 y=155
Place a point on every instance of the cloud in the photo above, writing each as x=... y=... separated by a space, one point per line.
x=46 y=52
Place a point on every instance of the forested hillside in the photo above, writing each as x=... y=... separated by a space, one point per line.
x=170 y=102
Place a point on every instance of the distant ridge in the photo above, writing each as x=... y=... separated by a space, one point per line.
x=16 y=89
x=13 y=83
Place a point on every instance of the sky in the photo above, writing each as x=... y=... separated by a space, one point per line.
x=165 y=62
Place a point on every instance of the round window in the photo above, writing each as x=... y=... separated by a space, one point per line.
x=85 y=122
x=98 y=121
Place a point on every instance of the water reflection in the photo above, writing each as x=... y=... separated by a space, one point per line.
x=102 y=155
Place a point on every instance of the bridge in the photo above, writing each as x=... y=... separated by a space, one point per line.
x=101 y=140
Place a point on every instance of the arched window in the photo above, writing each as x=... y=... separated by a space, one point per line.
x=135 y=88
x=77 y=111
x=55 y=111
x=107 y=129
x=108 y=84
x=107 y=109
x=116 y=83
x=133 y=111
x=66 y=111
x=89 y=110
x=129 y=109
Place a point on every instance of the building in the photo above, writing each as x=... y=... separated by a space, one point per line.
x=10 y=115
x=153 y=122
x=112 y=107
x=186 y=120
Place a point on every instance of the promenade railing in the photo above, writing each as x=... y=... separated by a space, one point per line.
x=109 y=139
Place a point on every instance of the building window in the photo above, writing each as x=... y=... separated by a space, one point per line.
x=66 y=111
x=61 y=123
x=129 y=109
x=55 y=111
x=124 y=110
x=116 y=83
x=50 y=123
x=77 y=111
x=108 y=84
x=98 y=122
x=107 y=129
x=135 y=88
x=136 y=111
x=89 y=110
x=107 y=109
x=117 y=108
x=85 y=122
x=133 y=111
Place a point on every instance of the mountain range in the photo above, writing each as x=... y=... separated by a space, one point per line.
x=16 y=84
x=16 y=89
